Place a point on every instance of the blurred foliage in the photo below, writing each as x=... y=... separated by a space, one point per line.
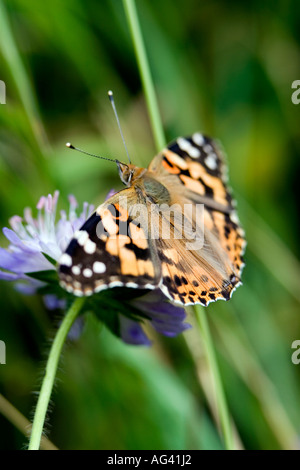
x=224 y=70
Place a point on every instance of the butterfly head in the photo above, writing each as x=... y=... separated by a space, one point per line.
x=125 y=172
x=128 y=173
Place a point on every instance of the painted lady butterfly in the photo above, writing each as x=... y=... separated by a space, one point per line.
x=118 y=247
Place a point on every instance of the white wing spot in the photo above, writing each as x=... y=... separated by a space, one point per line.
x=198 y=139
x=100 y=288
x=207 y=148
x=81 y=236
x=89 y=246
x=234 y=218
x=186 y=146
x=66 y=260
x=132 y=284
x=99 y=267
x=76 y=270
x=116 y=284
x=88 y=291
x=87 y=272
x=78 y=292
x=150 y=286
x=211 y=161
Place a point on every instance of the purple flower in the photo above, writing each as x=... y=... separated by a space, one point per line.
x=32 y=238
x=35 y=244
x=165 y=317
x=110 y=193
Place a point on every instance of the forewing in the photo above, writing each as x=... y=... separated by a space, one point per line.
x=111 y=249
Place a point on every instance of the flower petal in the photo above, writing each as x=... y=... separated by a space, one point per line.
x=22 y=263
x=9 y=276
x=64 y=233
x=29 y=287
x=166 y=318
x=132 y=333
x=110 y=193
x=76 y=329
x=15 y=240
x=51 y=249
x=52 y=302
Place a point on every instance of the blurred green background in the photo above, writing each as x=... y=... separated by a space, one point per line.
x=226 y=70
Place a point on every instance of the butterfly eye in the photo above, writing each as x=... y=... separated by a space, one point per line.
x=127 y=176
x=125 y=173
x=130 y=176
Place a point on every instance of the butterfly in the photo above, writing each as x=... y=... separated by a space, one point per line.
x=151 y=234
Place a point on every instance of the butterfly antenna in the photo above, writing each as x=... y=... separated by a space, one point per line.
x=70 y=146
x=111 y=99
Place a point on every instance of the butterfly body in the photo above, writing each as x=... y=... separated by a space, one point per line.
x=152 y=234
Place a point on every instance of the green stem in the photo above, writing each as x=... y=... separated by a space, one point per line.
x=144 y=69
x=51 y=367
x=216 y=378
x=158 y=133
